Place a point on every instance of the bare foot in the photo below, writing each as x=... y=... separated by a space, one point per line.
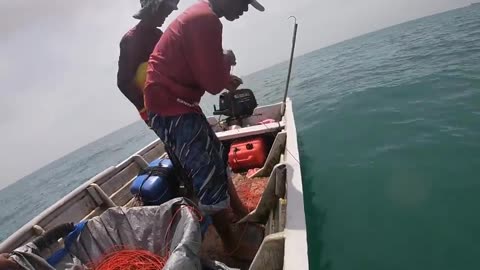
x=231 y=216
x=241 y=211
x=236 y=242
x=243 y=252
x=247 y=243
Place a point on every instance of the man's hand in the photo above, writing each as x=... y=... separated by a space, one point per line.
x=6 y=263
x=234 y=83
x=230 y=57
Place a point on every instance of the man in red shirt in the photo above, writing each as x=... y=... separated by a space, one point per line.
x=187 y=61
x=137 y=45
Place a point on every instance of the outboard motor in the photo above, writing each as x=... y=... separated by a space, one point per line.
x=236 y=104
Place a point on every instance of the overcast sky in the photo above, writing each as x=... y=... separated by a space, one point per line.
x=59 y=61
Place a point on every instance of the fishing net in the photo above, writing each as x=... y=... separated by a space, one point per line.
x=169 y=233
x=250 y=190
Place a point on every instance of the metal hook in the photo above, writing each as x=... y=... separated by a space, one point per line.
x=295 y=18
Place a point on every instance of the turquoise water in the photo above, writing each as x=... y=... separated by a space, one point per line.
x=389 y=131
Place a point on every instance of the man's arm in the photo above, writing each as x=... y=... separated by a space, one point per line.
x=127 y=68
x=203 y=43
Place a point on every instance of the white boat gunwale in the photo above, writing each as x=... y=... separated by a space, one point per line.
x=295 y=249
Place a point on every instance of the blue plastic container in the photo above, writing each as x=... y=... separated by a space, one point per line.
x=153 y=186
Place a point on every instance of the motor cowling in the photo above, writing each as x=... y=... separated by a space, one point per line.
x=236 y=104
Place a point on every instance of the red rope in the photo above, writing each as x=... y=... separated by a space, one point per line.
x=191 y=209
x=131 y=260
x=124 y=258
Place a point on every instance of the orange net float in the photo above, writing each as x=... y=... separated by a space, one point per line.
x=130 y=259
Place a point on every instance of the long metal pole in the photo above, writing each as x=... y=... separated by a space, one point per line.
x=291 y=62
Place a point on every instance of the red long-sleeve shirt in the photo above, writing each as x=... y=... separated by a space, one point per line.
x=187 y=61
x=135 y=48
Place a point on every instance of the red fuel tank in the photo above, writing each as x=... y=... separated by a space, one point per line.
x=247 y=154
